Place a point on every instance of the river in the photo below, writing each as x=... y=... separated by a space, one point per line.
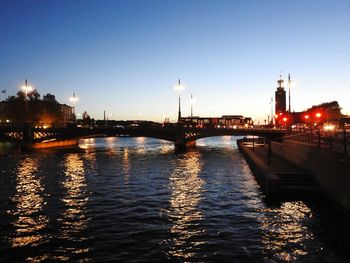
x=136 y=199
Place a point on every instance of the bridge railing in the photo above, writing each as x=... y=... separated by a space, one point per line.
x=336 y=140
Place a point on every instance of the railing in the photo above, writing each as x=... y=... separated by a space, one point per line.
x=337 y=140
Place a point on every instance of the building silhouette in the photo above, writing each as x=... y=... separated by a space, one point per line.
x=280 y=97
x=36 y=112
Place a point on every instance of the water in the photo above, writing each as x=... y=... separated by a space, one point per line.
x=135 y=199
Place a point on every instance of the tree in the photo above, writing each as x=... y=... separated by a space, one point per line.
x=49 y=98
x=34 y=95
x=33 y=110
x=331 y=110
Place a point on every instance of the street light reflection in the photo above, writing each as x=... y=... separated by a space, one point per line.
x=186 y=192
x=126 y=163
x=29 y=205
x=75 y=200
x=285 y=225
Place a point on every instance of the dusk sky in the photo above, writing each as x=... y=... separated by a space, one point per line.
x=125 y=57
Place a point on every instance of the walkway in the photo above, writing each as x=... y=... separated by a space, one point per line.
x=280 y=177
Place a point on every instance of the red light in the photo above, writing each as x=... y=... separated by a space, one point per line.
x=318 y=115
x=306 y=117
x=276 y=116
x=285 y=119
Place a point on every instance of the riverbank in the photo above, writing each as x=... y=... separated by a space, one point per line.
x=277 y=177
x=331 y=169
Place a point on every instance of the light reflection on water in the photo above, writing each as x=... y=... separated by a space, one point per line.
x=29 y=205
x=74 y=219
x=184 y=213
x=285 y=234
x=122 y=199
x=126 y=163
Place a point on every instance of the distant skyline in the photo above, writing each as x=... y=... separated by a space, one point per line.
x=124 y=57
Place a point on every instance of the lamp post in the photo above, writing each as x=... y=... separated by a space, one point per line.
x=26 y=90
x=271 y=105
x=179 y=88
x=192 y=100
x=74 y=100
x=289 y=85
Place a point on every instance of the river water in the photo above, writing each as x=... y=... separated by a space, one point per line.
x=136 y=199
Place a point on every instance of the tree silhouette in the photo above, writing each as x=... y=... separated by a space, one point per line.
x=34 y=110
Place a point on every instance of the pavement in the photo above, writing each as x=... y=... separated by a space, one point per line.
x=291 y=179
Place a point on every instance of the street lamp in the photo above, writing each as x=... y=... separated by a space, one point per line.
x=179 y=88
x=271 y=104
x=291 y=84
x=192 y=100
x=74 y=100
x=27 y=89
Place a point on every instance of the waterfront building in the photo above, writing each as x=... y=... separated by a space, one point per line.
x=280 y=97
x=37 y=112
x=225 y=121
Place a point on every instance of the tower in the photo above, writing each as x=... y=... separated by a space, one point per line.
x=280 y=97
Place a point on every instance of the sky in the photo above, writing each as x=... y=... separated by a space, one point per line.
x=124 y=57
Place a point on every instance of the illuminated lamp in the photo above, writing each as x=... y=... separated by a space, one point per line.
x=318 y=115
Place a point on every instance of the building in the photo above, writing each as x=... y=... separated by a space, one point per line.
x=225 y=121
x=37 y=112
x=68 y=115
x=280 y=97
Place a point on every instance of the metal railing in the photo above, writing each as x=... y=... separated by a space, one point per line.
x=336 y=140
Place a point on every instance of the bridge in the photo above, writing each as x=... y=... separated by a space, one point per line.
x=180 y=135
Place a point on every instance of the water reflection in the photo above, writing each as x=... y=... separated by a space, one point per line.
x=285 y=232
x=186 y=193
x=140 y=142
x=74 y=216
x=29 y=205
x=87 y=143
x=166 y=147
x=111 y=146
x=90 y=158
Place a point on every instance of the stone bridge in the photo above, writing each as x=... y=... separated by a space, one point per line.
x=180 y=135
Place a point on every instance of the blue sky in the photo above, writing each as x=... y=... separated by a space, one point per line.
x=124 y=57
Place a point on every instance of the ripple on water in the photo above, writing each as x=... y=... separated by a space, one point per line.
x=129 y=199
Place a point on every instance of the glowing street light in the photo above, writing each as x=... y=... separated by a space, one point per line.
x=27 y=89
x=179 y=88
x=291 y=84
x=74 y=100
